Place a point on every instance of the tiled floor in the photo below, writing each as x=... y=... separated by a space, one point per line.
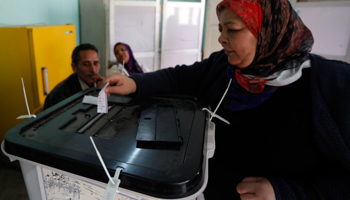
x=12 y=185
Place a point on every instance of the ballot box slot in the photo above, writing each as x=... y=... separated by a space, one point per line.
x=103 y=125
x=84 y=110
x=46 y=119
x=115 y=125
x=74 y=117
x=67 y=123
x=60 y=110
x=82 y=129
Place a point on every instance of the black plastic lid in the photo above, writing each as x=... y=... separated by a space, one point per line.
x=59 y=138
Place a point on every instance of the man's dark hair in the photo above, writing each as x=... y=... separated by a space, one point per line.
x=81 y=47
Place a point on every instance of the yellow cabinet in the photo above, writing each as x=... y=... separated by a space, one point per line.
x=39 y=54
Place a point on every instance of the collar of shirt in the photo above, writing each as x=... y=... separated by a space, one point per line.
x=82 y=84
x=285 y=77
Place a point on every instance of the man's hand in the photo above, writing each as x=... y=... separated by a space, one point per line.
x=120 y=84
x=257 y=188
x=98 y=80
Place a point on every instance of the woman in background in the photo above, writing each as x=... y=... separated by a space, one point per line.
x=289 y=110
x=126 y=63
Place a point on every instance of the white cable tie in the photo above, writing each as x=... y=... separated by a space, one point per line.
x=25 y=97
x=217 y=107
x=101 y=160
x=126 y=73
x=222 y=98
x=215 y=115
x=112 y=189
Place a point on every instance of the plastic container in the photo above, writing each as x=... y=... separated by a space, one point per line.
x=58 y=160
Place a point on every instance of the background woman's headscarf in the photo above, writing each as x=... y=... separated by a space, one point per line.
x=283 y=43
x=132 y=66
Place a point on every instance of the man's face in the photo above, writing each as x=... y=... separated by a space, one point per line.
x=88 y=65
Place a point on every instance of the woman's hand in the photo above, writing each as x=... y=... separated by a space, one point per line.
x=120 y=84
x=257 y=188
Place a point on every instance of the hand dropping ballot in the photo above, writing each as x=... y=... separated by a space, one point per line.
x=102 y=104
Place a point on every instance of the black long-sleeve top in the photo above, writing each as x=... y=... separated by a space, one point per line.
x=299 y=138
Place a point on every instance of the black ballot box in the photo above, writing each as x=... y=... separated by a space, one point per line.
x=161 y=142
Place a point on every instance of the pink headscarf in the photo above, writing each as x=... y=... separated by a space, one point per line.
x=249 y=11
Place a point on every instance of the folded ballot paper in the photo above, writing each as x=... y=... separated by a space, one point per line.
x=100 y=101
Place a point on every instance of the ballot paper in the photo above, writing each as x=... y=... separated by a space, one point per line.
x=90 y=100
x=102 y=104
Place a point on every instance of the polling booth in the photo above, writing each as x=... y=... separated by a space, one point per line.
x=154 y=147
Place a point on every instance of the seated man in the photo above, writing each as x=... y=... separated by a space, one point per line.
x=86 y=65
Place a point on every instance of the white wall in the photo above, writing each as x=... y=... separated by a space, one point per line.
x=40 y=12
x=329 y=23
x=212 y=33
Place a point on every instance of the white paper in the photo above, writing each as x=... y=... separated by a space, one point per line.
x=90 y=100
x=102 y=104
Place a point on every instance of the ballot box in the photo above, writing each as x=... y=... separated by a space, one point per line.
x=159 y=144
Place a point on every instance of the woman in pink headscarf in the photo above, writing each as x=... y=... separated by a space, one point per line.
x=288 y=109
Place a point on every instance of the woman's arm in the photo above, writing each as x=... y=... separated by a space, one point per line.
x=184 y=79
